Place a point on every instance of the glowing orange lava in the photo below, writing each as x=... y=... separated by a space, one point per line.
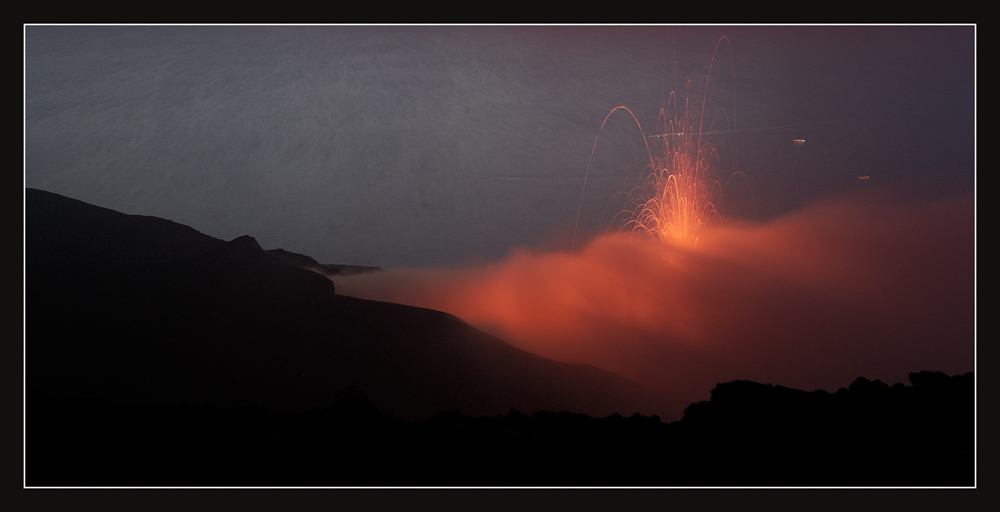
x=675 y=201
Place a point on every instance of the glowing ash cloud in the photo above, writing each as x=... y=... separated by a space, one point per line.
x=814 y=300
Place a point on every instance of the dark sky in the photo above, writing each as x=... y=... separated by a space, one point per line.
x=432 y=146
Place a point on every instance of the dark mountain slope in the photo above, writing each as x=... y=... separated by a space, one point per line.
x=127 y=308
x=308 y=263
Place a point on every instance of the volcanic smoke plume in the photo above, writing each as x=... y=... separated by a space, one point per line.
x=848 y=288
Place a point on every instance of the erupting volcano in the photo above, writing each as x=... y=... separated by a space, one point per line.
x=678 y=296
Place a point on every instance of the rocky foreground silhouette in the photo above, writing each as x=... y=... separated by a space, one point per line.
x=156 y=355
x=748 y=434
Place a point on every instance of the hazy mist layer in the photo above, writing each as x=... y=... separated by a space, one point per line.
x=848 y=288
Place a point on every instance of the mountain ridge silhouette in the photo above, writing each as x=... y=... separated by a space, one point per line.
x=141 y=309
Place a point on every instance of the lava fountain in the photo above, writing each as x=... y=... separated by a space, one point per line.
x=676 y=200
x=677 y=197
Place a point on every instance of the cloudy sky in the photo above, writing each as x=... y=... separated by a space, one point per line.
x=426 y=145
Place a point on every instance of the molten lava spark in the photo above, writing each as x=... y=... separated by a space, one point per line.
x=676 y=200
